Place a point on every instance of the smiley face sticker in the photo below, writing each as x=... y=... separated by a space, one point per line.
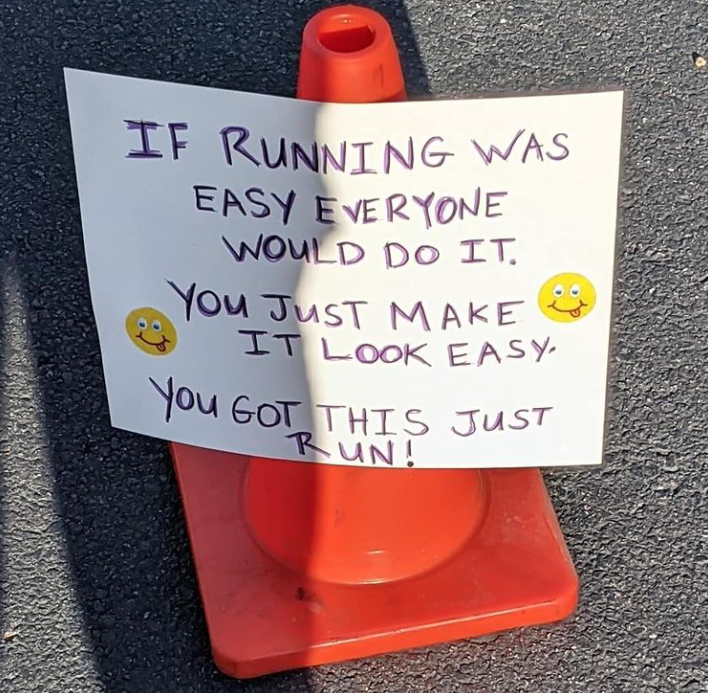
x=151 y=331
x=567 y=297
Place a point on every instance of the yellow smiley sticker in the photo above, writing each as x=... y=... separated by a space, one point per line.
x=151 y=331
x=567 y=297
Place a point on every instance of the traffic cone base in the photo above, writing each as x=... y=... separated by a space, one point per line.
x=264 y=617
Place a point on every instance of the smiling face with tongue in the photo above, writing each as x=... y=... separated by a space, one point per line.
x=566 y=297
x=151 y=331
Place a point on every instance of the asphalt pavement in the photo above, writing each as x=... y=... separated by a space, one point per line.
x=97 y=588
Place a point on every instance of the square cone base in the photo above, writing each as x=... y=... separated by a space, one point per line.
x=264 y=618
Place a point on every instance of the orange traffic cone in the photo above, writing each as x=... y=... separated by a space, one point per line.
x=302 y=564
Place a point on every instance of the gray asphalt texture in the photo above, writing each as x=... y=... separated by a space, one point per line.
x=97 y=589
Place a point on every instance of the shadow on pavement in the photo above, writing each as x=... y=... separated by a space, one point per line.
x=116 y=492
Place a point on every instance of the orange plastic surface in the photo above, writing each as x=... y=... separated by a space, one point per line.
x=264 y=617
x=348 y=56
x=301 y=564
x=356 y=526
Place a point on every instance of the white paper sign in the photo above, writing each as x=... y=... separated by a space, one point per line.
x=421 y=284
